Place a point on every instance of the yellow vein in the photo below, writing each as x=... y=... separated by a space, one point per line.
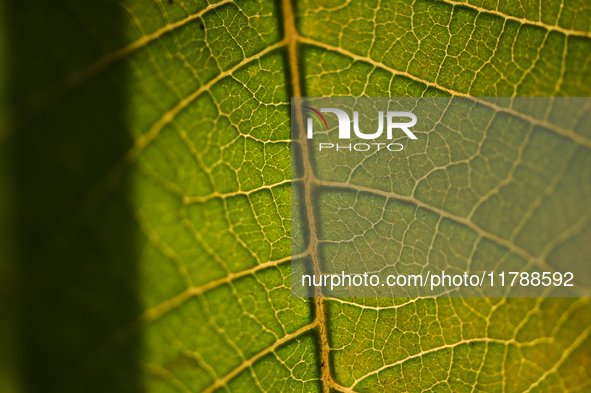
x=565 y=355
x=221 y=382
x=187 y=200
x=461 y=220
x=483 y=340
x=559 y=29
x=156 y=312
x=577 y=138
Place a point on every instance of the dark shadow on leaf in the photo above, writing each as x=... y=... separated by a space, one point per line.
x=76 y=256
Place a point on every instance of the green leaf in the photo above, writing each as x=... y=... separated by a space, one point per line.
x=149 y=176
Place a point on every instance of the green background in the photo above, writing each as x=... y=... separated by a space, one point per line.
x=145 y=195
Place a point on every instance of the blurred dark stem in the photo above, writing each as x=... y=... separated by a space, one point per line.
x=75 y=260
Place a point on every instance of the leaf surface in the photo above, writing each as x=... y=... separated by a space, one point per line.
x=166 y=201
